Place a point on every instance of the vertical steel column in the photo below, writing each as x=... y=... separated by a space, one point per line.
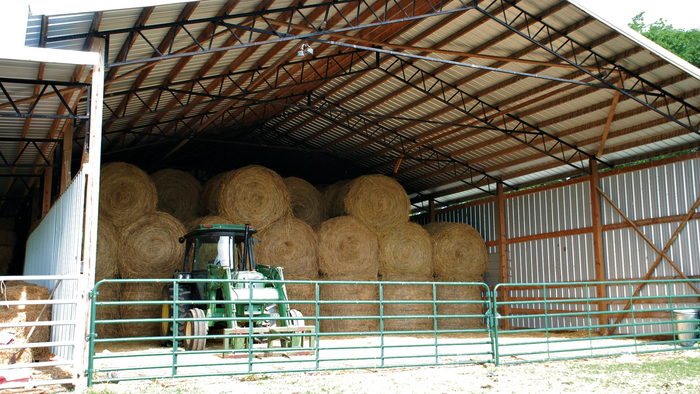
x=67 y=156
x=46 y=192
x=598 y=250
x=502 y=250
x=91 y=168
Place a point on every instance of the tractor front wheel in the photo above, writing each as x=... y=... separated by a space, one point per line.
x=167 y=313
x=195 y=328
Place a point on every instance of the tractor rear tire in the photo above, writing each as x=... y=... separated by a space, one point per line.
x=196 y=328
x=184 y=294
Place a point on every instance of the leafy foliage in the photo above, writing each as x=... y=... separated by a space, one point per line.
x=684 y=43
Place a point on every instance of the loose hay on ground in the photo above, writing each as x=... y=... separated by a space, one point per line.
x=150 y=247
x=178 y=193
x=407 y=251
x=140 y=292
x=346 y=247
x=23 y=291
x=126 y=193
x=379 y=202
x=306 y=202
x=290 y=244
x=254 y=194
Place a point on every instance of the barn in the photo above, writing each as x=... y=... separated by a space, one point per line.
x=567 y=144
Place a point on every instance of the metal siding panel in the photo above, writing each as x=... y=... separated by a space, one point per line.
x=54 y=249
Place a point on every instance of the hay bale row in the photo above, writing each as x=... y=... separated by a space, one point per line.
x=23 y=291
x=107 y=251
x=407 y=252
x=460 y=293
x=126 y=193
x=379 y=202
x=210 y=195
x=178 y=193
x=108 y=292
x=140 y=292
x=408 y=293
x=346 y=248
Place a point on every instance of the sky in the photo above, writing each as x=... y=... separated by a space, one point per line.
x=682 y=14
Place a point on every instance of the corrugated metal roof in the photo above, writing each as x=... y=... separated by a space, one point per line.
x=415 y=114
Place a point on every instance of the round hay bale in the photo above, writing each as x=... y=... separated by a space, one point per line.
x=459 y=253
x=407 y=251
x=379 y=202
x=255 y=195
x=210 y=195
x=126 y=193
x=8 y=238
x=108 y=292
x=408 y=293
x=7 y=253
x=346 y=248
x=290 y=244
x=107 y=251
x=140 y=292
x=333 y=199
x=150 y=247
x=23 y=291
x=178 y=193
x=460 y=293
x=306 y=202
x=303 y=292
x=351 y=293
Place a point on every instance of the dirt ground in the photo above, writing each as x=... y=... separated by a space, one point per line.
x=675 y=371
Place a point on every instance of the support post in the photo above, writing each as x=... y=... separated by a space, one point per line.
x=46 y=193
x=431 y=210
x=598 y=250
x=502 y=249
x=91 y=169
x=67 y=156
x=36 y=197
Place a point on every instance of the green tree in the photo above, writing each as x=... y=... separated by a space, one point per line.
x=684 y=43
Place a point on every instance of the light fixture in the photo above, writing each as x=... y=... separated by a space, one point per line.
x=305 y=50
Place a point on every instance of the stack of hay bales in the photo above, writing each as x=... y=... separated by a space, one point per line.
x=459 y=255
x=306 y=201
x=405 y=255
x=379 y=202
x=292 y=244
x=148 y=242
x=8 y=239
x=22 y=291
x=178 y=193
x=252 y=195
x=348 y=251
x=106 y=268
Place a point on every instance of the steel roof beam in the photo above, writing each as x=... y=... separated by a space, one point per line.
x=260 y=25
x=538 y=30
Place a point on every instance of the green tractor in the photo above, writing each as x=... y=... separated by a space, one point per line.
x=225 y=252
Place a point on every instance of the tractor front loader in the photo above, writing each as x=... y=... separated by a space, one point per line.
x=250 y=307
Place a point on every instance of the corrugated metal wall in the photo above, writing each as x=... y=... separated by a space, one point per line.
x=645 y=194
x=652 y=193
x=55 y=248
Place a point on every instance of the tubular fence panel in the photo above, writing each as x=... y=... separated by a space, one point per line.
x=592 y=332
x=348 y=325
